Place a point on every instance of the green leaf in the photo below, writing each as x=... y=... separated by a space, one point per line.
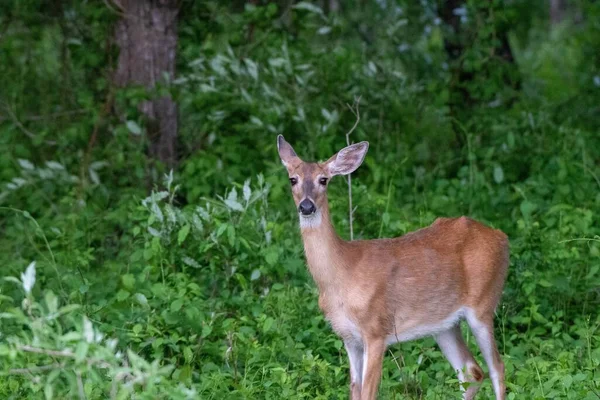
x=137 y=328
x=527 y=208
x=176 y=305
x=305 y=5
x=231 y=235
x=206 y=330
x=252 y=68
x=222 y=228
x=386 y=218
x=69 y=308
x=268 y=324
x=141 y=299
x=272 y=256
x=51 y=301
x=48 y=391
x=188 y=354
x=128 y=281
x=567 y=381
x=81 y=351
x=122 y=295
x=247 y=191
x=255 y=275
x=234 y=205
x=498 y=174
x=185 y=374
x=134 y=128
x=183 y=233
x=12 y=279
x=544 y=283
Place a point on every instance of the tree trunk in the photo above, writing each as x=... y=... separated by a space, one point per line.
x=330 y=6
x=558 y=10
x=147 y=38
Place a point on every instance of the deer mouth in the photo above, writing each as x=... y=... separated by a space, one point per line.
x=308 y=216
x=310 y=221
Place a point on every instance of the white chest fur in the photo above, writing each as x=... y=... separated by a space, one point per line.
x=341 y=321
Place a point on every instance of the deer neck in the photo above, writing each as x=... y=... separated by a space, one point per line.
x=323 y=248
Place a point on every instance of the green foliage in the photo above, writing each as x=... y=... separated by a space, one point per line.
x=192 y=284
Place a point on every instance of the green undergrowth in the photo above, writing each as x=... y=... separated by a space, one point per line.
x=122 y=281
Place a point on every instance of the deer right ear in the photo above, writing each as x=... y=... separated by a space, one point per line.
x=286 y=152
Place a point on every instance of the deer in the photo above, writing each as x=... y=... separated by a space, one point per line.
x=378 y=292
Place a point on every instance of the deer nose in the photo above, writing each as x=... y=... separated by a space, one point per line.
x=307 y=207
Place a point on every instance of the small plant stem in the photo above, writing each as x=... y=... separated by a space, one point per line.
x=355 y=110
x=43 y=235
x=34 y=370
x=63 y=353
x=80 y=387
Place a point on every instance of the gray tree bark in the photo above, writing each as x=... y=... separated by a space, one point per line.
x=147 y=37
x=558 y=9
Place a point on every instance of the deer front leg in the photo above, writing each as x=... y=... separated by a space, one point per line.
x=371 y=375
x=355 y=349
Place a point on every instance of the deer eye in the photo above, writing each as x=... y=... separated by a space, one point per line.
x=323 y=181
x=293 y=181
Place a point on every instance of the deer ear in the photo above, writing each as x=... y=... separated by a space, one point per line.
x=348 y=159
x=286 y=152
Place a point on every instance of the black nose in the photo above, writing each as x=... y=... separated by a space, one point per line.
x=307 y=207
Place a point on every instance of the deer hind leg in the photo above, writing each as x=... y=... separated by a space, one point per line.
x=483 y=330
x=355 y=350
x=372 y=364
x=456 y=351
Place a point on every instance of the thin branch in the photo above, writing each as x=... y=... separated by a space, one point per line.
x=80 y=388
x=34 y=370
x=595 y=392
x=55 y=115
x=594 y=239
x=25 y=131
x=53 y=353
x=354 y=110
x=63 y=353
x=116 y=8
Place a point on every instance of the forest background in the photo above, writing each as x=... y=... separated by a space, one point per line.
x=149 y=244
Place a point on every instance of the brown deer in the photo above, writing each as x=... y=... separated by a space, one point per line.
x=383 y=291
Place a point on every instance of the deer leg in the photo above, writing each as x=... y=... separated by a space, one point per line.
x=456 y=351
x=355 y=350
x=371 y=375
x=483 y=330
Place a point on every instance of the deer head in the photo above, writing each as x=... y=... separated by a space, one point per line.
x=309 y=180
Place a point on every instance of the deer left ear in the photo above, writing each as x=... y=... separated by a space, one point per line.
x=347 y=160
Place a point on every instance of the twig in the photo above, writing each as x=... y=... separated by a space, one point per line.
x=116 y=8
x=80 y=386
x=65 y=354
x=25 y=131
x=48 y=352
x=594 y=239
x=41 y=231
x=594 y=391
x=33 y=370
x=104 y=112
x=354 y=110
x=55 y=115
